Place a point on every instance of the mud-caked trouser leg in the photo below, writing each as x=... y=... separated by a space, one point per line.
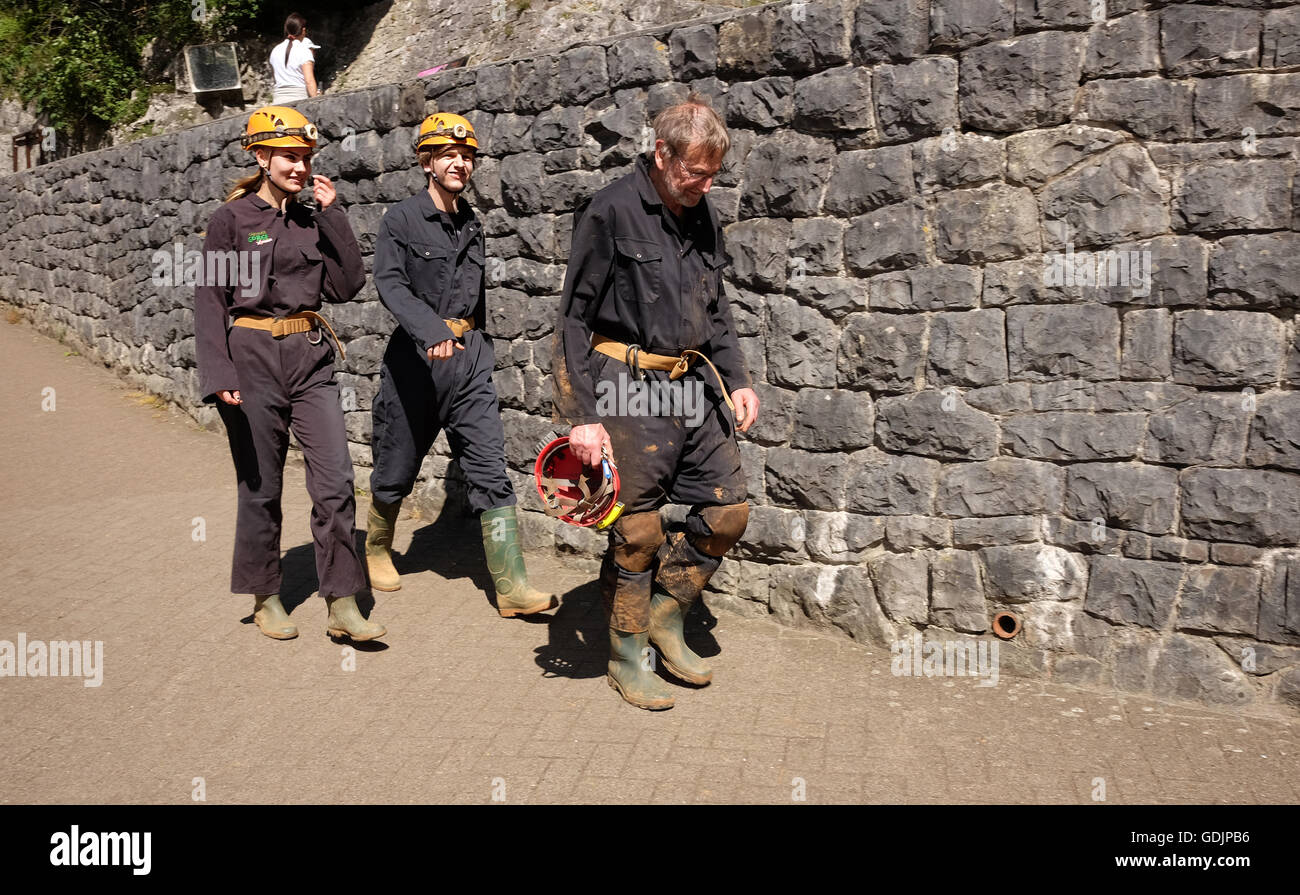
x=691 y=559
x=709 y=478
x=625 y=579
x=628 y=570
x=472 y=416
x=694 y=555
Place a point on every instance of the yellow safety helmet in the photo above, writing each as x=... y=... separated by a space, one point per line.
x=443 y=128
x=279 y=127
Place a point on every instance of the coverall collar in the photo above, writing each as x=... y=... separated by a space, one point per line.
x=692 y=218
x=432 y=212
x=293 y=208
x=644 y=185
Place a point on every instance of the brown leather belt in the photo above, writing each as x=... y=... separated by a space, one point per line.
x=460 y=326
x=634 y=357
x=279 y=327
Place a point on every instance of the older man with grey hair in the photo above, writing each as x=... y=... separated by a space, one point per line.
x=643 y=312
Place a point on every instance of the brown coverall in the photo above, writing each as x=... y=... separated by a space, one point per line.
x=304 y=256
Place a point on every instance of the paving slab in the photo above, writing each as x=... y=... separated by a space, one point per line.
x=118 y=521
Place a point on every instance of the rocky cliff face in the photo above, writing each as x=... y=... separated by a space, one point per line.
x=392 y=41
x=386 y=42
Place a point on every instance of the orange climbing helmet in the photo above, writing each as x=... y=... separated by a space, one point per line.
x=444 y=129
x=279 y=127
x=575 y=493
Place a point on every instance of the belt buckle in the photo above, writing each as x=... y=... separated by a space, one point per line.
x=632 y=357
x=317 y=332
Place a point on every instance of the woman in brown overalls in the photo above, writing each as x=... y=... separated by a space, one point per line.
x=266 y=362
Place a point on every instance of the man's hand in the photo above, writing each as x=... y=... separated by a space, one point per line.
x=230 y=397
x=746 y=402
x=586 y=442
x=443 y=350
x=323 y=191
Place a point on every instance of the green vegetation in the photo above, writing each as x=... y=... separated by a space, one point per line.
x=139 y=133
x=78 y=61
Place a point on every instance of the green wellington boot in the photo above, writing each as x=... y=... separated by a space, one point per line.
x=631 y=672
x=505 y=561
x=271 y=619
x=380 y=523
x=345 y=620
x=666 y=618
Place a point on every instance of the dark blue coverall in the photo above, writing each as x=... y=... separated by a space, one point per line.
x=428 y=267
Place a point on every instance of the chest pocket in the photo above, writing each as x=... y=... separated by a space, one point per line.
x=639 y=273
x=711 y=277
x=469 y=279
x=297 y=264
x=429 y=268
x=476 y=258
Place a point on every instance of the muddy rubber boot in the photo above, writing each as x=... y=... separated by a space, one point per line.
x=271 y=619
x=505 y=561
x=631 y=672
x=666 y=618
x=345 y=620
x=380 y=523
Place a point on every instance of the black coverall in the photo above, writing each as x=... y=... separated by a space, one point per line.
x=429 y=267
x=304 y=256
x=640 y=275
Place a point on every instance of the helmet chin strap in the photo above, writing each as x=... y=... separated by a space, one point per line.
x=280 y=192
x=454 y=195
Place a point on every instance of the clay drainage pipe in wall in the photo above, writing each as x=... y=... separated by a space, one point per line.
x=1006 y=625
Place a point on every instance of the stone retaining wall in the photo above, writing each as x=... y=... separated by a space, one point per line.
x=960 y=416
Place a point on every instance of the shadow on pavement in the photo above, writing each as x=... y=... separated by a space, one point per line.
x=450 y=546
x=577 y=646
x=299 y=582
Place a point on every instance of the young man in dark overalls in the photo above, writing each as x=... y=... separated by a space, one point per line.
x=437 y=371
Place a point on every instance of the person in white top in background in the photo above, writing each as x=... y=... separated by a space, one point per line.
x=293 y=63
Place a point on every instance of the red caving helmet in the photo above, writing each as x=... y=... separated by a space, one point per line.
x=575 y=493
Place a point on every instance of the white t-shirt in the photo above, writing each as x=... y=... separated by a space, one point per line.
x=290 y=75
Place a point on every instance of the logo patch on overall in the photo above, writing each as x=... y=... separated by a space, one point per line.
x=259 y=237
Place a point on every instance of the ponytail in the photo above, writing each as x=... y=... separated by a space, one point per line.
x=293 y=26
x=244 y=186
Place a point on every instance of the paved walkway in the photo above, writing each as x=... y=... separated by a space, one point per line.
x=101 y=498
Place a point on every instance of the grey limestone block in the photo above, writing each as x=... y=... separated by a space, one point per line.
x=932 y=424
x=1014 y=85
x=1197 y=39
